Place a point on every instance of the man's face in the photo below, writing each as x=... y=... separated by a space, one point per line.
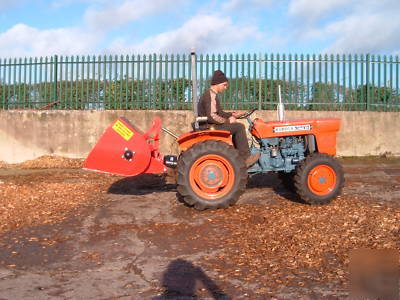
x=222 y=86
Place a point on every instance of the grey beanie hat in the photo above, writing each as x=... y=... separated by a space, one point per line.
x=218 y=77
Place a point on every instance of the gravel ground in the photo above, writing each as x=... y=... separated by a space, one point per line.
x=68 y=233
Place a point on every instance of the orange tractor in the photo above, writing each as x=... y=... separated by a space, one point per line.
x=210 y=173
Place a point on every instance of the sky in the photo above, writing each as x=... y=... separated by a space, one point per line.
x=34 y=28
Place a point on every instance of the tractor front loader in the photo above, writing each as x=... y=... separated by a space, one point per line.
x=210 y=172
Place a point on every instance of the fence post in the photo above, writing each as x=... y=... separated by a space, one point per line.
x=259 y=83
x=55 y=78
x=194 y=87
x=3 y=100
x=367 y=79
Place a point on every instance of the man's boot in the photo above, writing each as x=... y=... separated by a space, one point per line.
x=252 y=159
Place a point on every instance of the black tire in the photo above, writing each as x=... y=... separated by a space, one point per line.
x=287 y=180
x=319 y=179
x=200 y=158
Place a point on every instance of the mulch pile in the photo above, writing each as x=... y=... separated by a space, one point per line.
x=287 y=244
x=46 y=162
x=295 y=244
x=48 y=196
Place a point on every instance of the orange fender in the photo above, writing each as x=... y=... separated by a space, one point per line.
x=187 y=140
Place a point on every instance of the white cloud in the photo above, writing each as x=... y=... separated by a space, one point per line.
x=6 y=4
x=205 y=33
x=357 y=26
x=237 y=5
x=353 y=26
x=309 y=11
x=61 y=3
x=374 y=33
x=114 y=15
x=22 y=40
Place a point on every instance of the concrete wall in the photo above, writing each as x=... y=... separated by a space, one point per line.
x=26 y=135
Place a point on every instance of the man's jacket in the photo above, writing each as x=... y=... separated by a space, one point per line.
x=209 y=107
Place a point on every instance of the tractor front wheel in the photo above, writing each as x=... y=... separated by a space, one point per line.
x=319 y=179
x=211 y=175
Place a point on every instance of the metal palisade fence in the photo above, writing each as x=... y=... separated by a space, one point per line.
x=308 y=82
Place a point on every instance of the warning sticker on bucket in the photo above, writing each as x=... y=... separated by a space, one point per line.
x=122 y=130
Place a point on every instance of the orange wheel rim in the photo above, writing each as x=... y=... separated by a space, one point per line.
x=212 y=176
x=322 y=180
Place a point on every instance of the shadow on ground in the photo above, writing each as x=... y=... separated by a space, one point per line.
x=271 y=180
x=151 y=183
x=182 y=279
x=141 y=185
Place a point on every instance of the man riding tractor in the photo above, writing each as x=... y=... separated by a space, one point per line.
x=210 y=107
x=210 y=173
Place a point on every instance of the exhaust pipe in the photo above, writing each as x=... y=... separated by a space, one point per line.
x=281 y=106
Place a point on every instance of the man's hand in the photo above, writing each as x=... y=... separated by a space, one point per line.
x=232 y=119
x=236 y=114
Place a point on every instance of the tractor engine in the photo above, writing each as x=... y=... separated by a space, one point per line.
x=279 y=154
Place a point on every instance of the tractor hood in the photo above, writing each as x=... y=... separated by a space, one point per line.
x=324 y=130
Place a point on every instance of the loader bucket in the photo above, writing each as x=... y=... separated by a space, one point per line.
x=124 y=150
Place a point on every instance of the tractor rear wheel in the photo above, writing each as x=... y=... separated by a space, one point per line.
x=211 y=175
x=319 y=179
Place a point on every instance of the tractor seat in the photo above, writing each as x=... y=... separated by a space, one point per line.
x=203 y=125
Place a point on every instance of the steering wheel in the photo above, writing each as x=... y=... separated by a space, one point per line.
x=247 y=114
